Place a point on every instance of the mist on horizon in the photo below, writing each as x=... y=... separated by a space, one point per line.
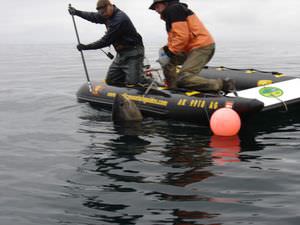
x=36 y=21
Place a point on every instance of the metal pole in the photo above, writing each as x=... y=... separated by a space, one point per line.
x=82 y=56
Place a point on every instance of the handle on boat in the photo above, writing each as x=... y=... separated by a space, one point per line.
x=82 y=56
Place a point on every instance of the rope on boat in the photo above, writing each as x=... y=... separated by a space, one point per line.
x=234 y=69
x=283 y=103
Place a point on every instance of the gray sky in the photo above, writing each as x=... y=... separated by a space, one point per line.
x=37 y=21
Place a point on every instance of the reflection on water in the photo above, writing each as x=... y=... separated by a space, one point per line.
x=151 y=167
x=226 y=149
x=161 y=172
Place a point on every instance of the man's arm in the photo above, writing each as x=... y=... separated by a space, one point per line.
x=114 y=31
x=90 y=16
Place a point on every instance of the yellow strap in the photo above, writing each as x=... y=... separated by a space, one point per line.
x=191 y=93
x=263 y=82
x=220 y=68
x=162 y=88
x=250 y=71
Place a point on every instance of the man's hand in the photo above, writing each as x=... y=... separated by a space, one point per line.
x=176 y=58
x=168 y=52
x=72 y=10
x=81 y=47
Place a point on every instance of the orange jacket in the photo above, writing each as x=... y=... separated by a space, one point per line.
x=185 y=30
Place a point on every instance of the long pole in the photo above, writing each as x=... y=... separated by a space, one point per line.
x=82 y=56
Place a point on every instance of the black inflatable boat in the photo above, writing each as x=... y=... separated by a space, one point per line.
x=258 y=91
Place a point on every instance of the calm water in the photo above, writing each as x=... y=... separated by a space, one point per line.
x=62 y=162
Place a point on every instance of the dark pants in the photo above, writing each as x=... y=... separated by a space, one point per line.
x=188 y=75
x=127 y=67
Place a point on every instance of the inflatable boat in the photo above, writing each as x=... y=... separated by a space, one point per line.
x=257 y=92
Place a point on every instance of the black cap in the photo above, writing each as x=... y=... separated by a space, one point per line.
x=154 y=2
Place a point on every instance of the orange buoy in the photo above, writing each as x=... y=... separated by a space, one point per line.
x=225 y=122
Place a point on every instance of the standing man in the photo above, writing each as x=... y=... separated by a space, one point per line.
x=190 y=45
x=127 y=67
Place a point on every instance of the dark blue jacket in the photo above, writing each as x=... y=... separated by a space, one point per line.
x=121 y=32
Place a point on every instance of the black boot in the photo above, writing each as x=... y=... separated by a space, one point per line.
x=229 y=86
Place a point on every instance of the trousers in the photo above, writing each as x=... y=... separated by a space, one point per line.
x=188 y=76
x=127 y=67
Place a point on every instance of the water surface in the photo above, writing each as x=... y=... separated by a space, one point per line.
x=62 y=162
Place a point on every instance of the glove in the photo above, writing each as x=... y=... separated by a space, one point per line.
x=168 y=52
x=72 y=10
x=81 y=47
x=163 y=58
x=175 y=58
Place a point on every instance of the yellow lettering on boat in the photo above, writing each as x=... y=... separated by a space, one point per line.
x=213 y=105
x=201 y=104
x=182 y=102
x=139 y=98
x=192 y=103
x=195 y=103
x=146 y=100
